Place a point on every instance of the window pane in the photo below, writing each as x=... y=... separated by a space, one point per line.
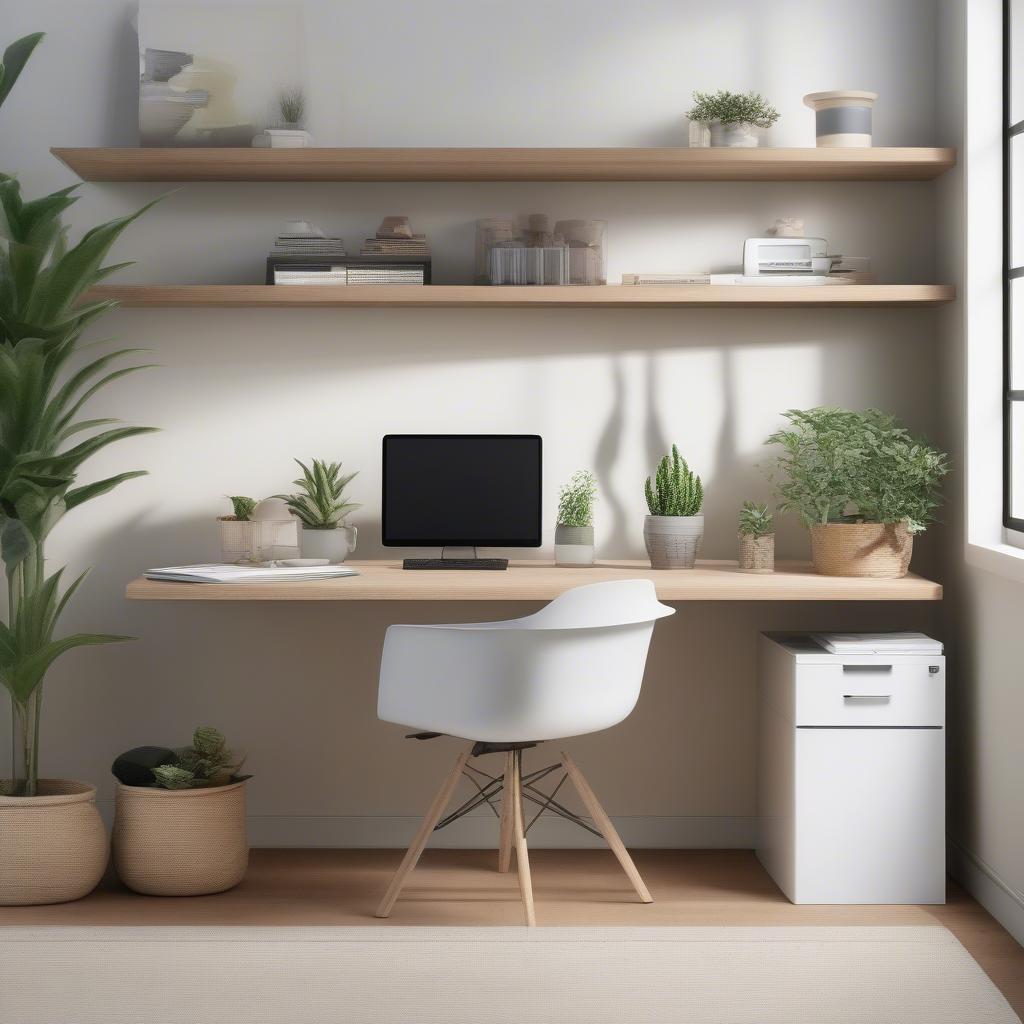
x=1016 y=352
x=1016 y=200
x=1017 y=460
x=1016 y=61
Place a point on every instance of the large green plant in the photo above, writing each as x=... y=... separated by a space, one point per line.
x=838 y=465
x=44 y=440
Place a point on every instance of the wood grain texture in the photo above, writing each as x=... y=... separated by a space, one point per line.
x=542 y=581
x=242 y=296
x=634 y=164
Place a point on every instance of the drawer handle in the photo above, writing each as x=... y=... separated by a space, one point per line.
x=879 y=698
x=866 y=669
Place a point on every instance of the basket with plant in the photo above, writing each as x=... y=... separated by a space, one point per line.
x=757 y=541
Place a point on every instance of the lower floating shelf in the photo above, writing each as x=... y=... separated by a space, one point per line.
x=482 y=297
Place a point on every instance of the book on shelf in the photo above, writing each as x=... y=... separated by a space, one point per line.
x=293 y=270
x=682 y=278
x=877 y=643
x=226 y=573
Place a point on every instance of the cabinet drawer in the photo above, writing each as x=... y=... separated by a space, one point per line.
x=856 y=693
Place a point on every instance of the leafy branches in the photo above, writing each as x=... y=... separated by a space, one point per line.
x=321 y=502
x=733 y=108
x=576 y=499
x=676 y=490
x=754 y=520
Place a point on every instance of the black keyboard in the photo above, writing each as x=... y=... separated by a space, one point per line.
x=455 y=563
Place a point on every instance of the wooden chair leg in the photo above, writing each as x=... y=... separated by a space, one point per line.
x=605 y=827
x=519 y=837
x=505 y=828
x=431 y=818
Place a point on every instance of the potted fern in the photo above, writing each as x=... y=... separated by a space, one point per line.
x=321 y=506
x=736 y=119
x=574 y=531
x=757 y=541
x=675 y=526
x=53 y=841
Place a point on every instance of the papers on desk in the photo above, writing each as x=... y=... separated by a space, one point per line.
x=247 y=573
x=877 y=643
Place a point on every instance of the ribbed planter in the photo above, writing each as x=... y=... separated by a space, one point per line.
x=180 y=842
x=877 y=550
x=53 y=847
x=673 y=541
x=757 y=554
x=335 y=544
x=574 y=545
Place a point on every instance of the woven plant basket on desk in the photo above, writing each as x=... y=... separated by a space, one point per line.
x=180 y=842
x=53 y=847
x=876 y=550
x=757 y=554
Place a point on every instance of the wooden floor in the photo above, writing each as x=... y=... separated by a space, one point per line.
x=572 y=887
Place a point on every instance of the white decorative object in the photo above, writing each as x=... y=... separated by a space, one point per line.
x=738 y=135
x=271 y=532
x=334 y=544
x=851 y=774
x=700 y=135
x=842 y=118
x=574 y=545
x=288 y=138
x=788 y=227
x=673 y=541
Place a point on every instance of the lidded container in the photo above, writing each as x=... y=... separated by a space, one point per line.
x=842 y=118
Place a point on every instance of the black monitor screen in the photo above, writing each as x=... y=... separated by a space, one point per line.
x=462 y=489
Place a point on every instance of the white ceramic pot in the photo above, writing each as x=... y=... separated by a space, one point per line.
x=735 y=136
x=842 y=118
x=335 y=545
x=673 y=541
x=574 y=545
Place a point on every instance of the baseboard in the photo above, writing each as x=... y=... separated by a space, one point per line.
x=1002 y=900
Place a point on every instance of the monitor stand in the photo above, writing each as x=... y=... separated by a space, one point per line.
x=455 y=558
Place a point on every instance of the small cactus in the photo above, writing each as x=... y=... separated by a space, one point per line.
x=676 y=491
x=242 y=506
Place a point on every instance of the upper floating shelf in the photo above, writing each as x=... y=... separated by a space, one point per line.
x=315 y=164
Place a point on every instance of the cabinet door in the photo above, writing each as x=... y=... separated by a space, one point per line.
x=870 y=816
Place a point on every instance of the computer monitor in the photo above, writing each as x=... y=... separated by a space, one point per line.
x=462 y=490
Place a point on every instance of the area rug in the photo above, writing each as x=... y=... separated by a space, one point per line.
x=892 y=975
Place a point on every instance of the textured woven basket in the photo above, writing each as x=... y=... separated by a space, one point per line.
x=53 y=847
x=878 y=550
x=673 y=541
x=757 y=554
x=182 y=842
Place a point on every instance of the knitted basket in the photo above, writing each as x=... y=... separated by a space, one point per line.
x=180 y=842
x=53 y=847
x=877 y=550
x=757 y=554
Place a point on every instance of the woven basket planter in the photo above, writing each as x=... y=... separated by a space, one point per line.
x=877 y=550
x=180 y=842
x=53 y=847
x=757 y=554
x=673 y=541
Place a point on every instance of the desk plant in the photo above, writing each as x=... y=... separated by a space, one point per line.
x=574 y=530
x=321 y=506
x=675 y=526
x=44 y=443
x=862 y=484
x=757 y=541
x=734 y=118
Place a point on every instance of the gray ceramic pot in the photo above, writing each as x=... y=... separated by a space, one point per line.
x=673 y=541
x=574 y=545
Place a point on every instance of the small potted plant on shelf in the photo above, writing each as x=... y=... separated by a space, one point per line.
x=735 y=119
x=757 y=541
x=321 y=506
x=574 y=531
x=291 y=132
x=862 y=484
x=675 y=526
x=237 y=531
x=179 y=821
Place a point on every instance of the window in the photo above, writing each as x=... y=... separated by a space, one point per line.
x=1013 y=266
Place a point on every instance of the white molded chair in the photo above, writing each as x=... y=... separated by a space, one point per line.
x=572 y=668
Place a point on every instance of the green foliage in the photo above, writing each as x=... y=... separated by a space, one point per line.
x=293 y=104
x=755 y=520
x=321 y=502
x=733 y=108
x=838 y=465
x=576 y=499
x=676 y=490
x=242 y=507
x=206 y=763
x=44 y=441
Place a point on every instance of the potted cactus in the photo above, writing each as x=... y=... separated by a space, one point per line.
x=675 y=526
x=757 y=540
x=321 y=506
x=574 y=531
x=237 y=538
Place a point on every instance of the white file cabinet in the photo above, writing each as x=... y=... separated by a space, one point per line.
x=851 y=774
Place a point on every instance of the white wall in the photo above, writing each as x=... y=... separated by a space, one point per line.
x=241 y=392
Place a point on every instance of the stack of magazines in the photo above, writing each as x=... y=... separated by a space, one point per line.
x=218 y=573
x=303 y=254
x=877 y=643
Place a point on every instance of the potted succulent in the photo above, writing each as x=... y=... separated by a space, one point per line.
x=757 y=541
x=237 y=530
x=735 y=119
x=321 y=506
x=862 y=484
x=291 y=132
x=574 y=531
x=53 y=842
x=179 y=820
x=675 y=526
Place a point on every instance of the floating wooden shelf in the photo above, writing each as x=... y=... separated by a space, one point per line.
x=541 y=581
x=315 y=164
x=482 y=297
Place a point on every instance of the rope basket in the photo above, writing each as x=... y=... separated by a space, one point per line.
x=53 y=847
x=757 y=554
x=181 y=842
x=877 y=550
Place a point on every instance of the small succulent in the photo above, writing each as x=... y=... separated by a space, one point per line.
x=576 y=499
x=242 y=507
x=676 y=491
x=206 y=763
x=755 y=520
x=321 y=504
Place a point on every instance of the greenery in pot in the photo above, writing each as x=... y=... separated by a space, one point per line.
x=676 y=490
x=206 y=763
x=733 y=108
x=754 y=520
x=44 y=441
x=242 y=507
x=292 y=103
x=320 y=503
x=841 y=466
x=576 y=500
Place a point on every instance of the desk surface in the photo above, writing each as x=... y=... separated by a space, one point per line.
x=541 y=581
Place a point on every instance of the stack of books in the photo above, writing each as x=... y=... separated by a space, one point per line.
x=877 y=643
x=397 y=256
x=303 y=254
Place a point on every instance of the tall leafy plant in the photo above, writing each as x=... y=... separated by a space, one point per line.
x=44 y=439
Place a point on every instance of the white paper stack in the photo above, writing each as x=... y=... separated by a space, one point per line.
x=218 y=573
x=877 y=643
